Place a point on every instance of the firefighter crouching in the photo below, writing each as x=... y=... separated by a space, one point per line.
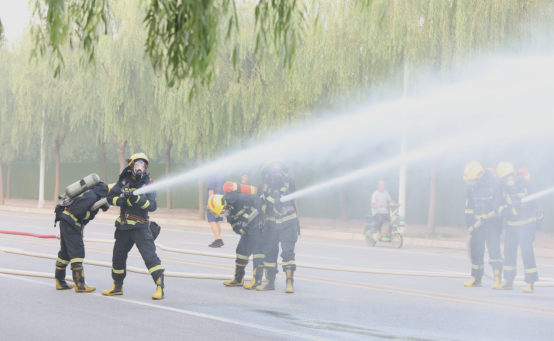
x=280 y=225
x=243 y=213
x=521 y=224
x=133 y=225
x=483 y=191
x=73 y=219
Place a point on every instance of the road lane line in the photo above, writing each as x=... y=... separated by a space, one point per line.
x=187 y=312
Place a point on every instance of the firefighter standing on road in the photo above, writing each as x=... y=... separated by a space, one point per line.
x=133 y=225
x=73 y=219
x=483 y=191
x=281 y=224
x=243 y=213
x=521 y=223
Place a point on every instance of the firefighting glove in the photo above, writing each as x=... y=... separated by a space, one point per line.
x=105 y=208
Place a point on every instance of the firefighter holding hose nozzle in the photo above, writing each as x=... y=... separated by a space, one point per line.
x=483 y=192
x=74 y=214
x=243 y=213
x=521 y=223
x=281 y=223
x=133 y=226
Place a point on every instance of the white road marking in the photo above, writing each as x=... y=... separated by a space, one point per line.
x=186 y=312
x=298 y=254
x=36 y=227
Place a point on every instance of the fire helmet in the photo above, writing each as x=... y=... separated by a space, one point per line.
x=473 y=170
x=504 y=168
x=216 y=204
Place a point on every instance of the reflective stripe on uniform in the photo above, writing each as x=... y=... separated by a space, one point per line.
x=482 y=216
x=470 y=229
x=522 y=222
x=73 y=217
x=145 y=205
x=530 y=271
x=77 y=260
x=87 y=216
x=114 y=201
x=514 y=211
x=290 y=217
x=291 y=262
x=156 y=268
x=259 y=256
x=129 y=221
x=119 y=272
x=138 y=198
x=270 y=265
x=270 y=199
x=477 y=267
x=63 y=261
x=496 y=260
x=509 y=268
x=500 y=209
x=239 y=256
x=469 y=211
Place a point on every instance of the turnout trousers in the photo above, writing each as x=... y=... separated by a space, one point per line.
x=524 y=236
x=285 y=234
x=72 y=248
x=250 y=243
x=124 y=241
x=487 y=234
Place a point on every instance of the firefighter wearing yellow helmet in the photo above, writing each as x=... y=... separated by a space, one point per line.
x=521 y=223
x=483 y=191
x=243 y=213
x=133 y=226
x=281 y=224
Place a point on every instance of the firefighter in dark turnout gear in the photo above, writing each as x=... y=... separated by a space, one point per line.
x=133 y=225
x=521 y=223
x=243 y=213
x=73 y=219
x=281 y=224
x=483 y=192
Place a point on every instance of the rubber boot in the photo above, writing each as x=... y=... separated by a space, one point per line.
x=159 y=294
x=290 y=281
x=61 y=284
x=529 y=288
x=475 y=282
x=270 y=274
x=116 y=289
x=256 y=278
x=507 y=285
x=79 y=279
x=497 y=279
x=238 y=280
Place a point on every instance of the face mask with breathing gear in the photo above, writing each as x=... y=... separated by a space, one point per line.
x=139 y=169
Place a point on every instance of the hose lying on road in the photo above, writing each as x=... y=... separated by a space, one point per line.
x=29 y=234
x=109 y=265
x=31 y=274
x=301 y=265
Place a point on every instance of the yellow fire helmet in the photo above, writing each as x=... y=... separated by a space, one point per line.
x=110 y=186
x=473 y=170
x=504 y=168
x=216 y=204
x=138 y=156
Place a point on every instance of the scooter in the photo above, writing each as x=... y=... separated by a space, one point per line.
x=391 y=231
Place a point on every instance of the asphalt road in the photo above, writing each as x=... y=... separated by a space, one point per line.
x=326 y=305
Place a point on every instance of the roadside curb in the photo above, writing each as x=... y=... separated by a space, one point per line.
x=433 y=243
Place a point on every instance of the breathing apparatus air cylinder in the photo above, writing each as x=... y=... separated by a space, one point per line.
x=81 y=186
x=241 y=188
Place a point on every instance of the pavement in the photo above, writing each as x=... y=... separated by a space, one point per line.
x=327 y=305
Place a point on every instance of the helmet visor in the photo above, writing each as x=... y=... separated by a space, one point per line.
x=139 y=167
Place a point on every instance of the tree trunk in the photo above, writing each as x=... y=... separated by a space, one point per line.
x=8 y=180
x=432 y=200
x=57 y=183
x=167 y=168
x=104 y=163
x=201 y=194
x=402 y=176
x=1 y=186
x=121 y=153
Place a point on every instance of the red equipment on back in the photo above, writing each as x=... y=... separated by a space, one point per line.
x=524 y=173
x=244 y=189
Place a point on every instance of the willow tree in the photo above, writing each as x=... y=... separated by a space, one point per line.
x=7 y=117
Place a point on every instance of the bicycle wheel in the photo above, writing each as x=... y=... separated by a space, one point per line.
x=397 y=240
